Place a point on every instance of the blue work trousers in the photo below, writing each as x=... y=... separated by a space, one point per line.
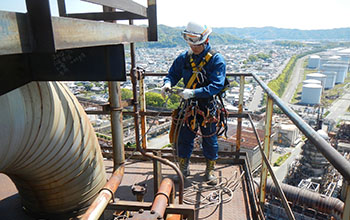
x=209 y=144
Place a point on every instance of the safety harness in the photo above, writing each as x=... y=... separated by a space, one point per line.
x=218 y=114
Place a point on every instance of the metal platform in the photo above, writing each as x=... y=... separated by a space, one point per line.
x=239 y=206
x=141 y=172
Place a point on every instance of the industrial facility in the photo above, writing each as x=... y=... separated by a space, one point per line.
x=332 y=67
x=55 y=165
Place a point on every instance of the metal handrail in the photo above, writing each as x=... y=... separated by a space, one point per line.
x=331 y=154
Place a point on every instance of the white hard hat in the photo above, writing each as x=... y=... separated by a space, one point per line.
x=196 y=33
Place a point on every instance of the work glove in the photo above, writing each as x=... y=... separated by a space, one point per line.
x=166 y=88
x=187 y=94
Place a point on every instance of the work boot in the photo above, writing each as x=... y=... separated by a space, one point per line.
x=209 y=172
x=183 y=164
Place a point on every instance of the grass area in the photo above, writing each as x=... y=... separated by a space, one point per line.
x=281 y=159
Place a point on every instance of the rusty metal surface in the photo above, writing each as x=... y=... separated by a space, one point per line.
x=105 y=195
x=264 y=169
x=239 y=120
x=162 y=198
x=141 y=172
x=68 y=33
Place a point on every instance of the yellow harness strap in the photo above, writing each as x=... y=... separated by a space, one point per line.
x=196 y=69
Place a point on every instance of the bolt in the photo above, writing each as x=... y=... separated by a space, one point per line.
x=152 y=211
x=141 y=211
x=159 y=217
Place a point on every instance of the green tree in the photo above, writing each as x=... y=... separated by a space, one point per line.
x=126 y=94
x=154 y=99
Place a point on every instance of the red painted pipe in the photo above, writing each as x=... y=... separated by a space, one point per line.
x=106 y=194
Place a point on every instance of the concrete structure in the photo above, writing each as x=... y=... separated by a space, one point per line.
x=287 y=135
x=330 y=79
x=317 y=76
x=311 y=94
x=314 y=62
x=249 y=144
x=340 y=69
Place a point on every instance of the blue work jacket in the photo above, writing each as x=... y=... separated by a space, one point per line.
x=215 y=71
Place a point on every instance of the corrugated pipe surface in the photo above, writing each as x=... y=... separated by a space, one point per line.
x=309 y=199
x=49 y=149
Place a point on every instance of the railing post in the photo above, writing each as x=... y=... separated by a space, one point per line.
x=143 y=109
x=267 y=139
x=239 y=120
x=116 y=117
x=346 y=212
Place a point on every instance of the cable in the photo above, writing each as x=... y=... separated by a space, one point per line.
x=215 y=195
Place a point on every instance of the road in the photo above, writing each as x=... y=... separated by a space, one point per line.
x=281 y=171
x=296 y=78
x=340 y=106
x=254 y=104
x=158 y=142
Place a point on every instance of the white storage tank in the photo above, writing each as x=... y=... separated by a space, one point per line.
x=312 y=81
x=330 y=79
x=317 y=76
x=314 y=62
x=340 y=69
x=311 y=94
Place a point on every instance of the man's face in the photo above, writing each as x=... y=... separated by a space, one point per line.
x=197 y=49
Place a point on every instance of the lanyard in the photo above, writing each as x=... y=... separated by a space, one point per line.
x=196 y=70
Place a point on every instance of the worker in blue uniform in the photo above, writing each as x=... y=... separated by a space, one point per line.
x=203 y=72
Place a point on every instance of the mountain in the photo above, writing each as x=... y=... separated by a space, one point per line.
x=272 y=33
x=171 y=37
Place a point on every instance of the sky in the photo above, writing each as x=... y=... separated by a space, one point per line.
x=296 y=14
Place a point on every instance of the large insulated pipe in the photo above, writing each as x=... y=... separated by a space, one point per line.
x=49 y=149
x=303 y=197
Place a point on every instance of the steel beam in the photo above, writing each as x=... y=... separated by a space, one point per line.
x=94 y=64
x=106 y=16
x=125 y=5
x=41 y=26
x=152 y=20
x=16 y=36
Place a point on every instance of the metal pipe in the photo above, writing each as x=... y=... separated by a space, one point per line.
x=332 y=155
x=162 y=198
x=346 y=212
x=143 y=109
x=239 y=120
x=264 y=171
x=116 y=116
x=116 y=124
x=303 y=197
x=106 y=194
x=49 y=149
x=137 y=130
